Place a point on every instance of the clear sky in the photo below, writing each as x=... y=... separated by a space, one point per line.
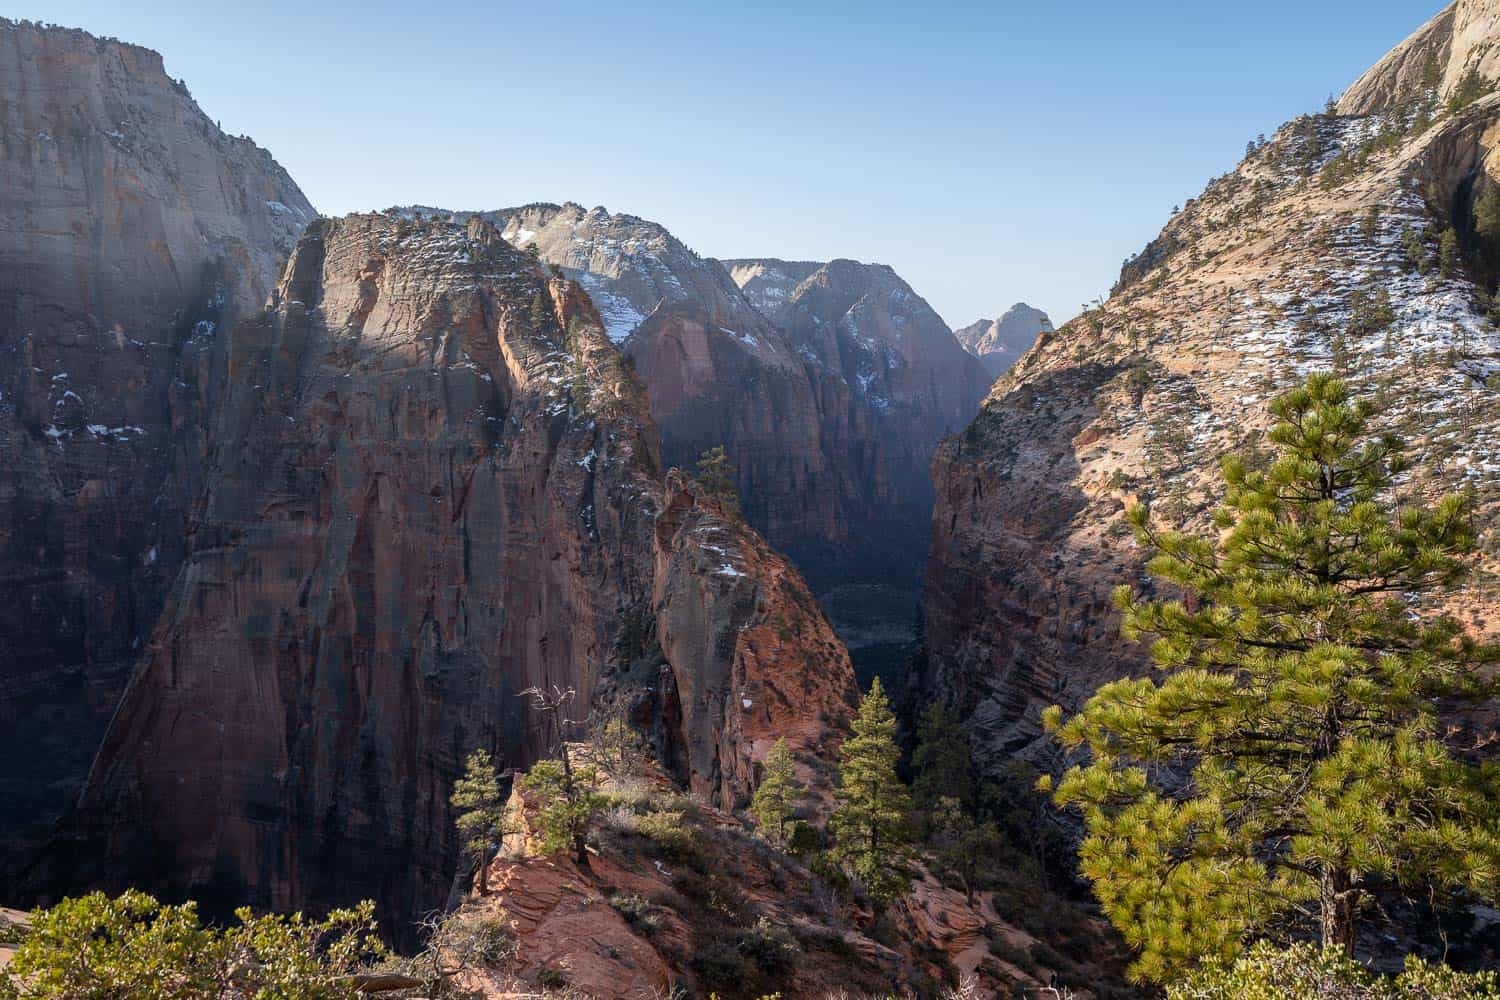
x=990 y=152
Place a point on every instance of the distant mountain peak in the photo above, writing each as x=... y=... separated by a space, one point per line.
x=998 y=344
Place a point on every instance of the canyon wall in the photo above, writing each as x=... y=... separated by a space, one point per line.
x=132 y=231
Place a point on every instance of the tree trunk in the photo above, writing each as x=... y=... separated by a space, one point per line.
x=1336 y=910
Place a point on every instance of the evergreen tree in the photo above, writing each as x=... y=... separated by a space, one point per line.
x=1447 y=253
x=871 y=826
x=716 y=476
x=1291 y=764
x=963 y=846
x=567 y=797
x=480 y=811
x=1487 y=213
x=941 y=762
x=776 y=798
x=1471 y=87
x=133 y=947
x=568 y=801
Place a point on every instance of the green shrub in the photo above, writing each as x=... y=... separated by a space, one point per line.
x=133 y=947
x=638 y=913
x=1304 y=972
x=671 y=835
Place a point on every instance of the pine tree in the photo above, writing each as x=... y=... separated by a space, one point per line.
x=716 y=476
x=963 y=846
x=1487 y=213
x=941 y=762
x=567 y=796
x=480 y=811
x=1447 y=253
x=871 y=826
x=776 y=798
x=568 y=801
x=1290 y=766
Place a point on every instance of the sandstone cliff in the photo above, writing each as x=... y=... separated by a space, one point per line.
x=431 y=484
x=738 y=614
x=1280 y=267
x=716 y=369
x=132 y=232
x=830 y=427
x=1459 y=40
x=999 y=343
x=891 y=380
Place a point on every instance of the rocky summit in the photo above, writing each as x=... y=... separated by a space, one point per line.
x=999 y=343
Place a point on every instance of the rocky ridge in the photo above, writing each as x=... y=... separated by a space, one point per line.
x=681 y=898
x=1320 y=250
x=830 y=428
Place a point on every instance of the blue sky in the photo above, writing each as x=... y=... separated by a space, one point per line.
x=989 y=152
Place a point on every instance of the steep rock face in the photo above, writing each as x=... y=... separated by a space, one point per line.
x=830 y=427
x=891 y=381
x=717 y=371
x=998 y=344
x=1267 y=275
x=1459 y=39
x=132 y=230
x=430 y=486
x=764 y=663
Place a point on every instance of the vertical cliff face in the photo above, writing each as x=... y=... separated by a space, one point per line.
x=891 y=379
x=430 y=486
x=1270 y=274
x=764 y=662
x=717 y=371
x=132 y=230
x=830 y=427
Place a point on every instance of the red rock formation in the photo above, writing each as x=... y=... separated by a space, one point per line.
x=890 y=380
x=132 y=232
x=430 y=486
x=763 y=663
x=716 y=369
x=830 y=427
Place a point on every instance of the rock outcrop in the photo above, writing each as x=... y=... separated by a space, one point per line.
x=999 y=343
x=1458 y=41
x=682 y=895
x=739 y=614
x=430 y=486
x=132 y=233
x=431 y=483
x=1279 y=268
